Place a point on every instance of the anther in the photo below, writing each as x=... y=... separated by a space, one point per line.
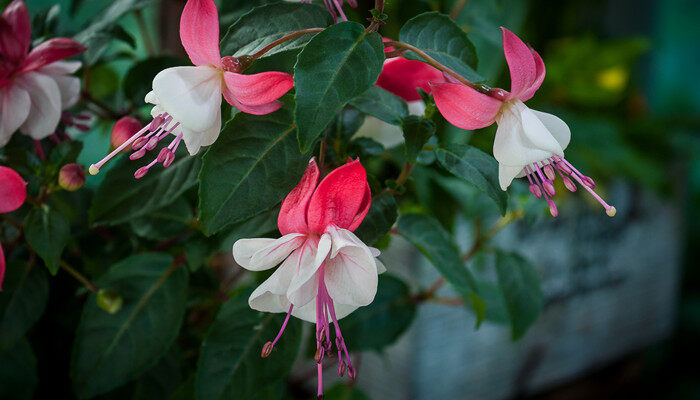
x=163 y=155
x=352 y=373
x=321 y=335
x=552 y=208
x=266 y=350
x=139 y=143
x=155 y=124
x=548 y=187
x=569 y=184
x=341 y=368
x=536 y=191
x=549 y=171
x=141 y=172
x=320 y=351
x=169 y=159
x=137 y=154
x=588 y=182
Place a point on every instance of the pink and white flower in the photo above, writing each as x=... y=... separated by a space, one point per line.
x=13 y=193
x=35 y=86
x=528 y=142
x=187 y=100
x=326 y=272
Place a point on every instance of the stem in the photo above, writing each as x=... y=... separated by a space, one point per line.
x=500 y=224
x=282 y=40
x=405 y=173
x=77 y=275
x=448 y=301
x=143 y=28
x=374 y=26
x=481 y=88
x=322 y=156
x=457 y=9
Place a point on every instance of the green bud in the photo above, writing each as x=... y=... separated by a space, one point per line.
x=109 y=300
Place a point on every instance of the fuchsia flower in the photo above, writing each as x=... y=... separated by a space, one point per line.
x=13 y=192
x=35 y=86
x=187 y=100
x=326 y=272
x=528 y=142
x=402 y=76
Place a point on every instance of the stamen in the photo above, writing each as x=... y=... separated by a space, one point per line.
x=549 y=171
x=534 y=189
x=141 y=172
x=95 y=168
x=320 y=382
x=546 y=183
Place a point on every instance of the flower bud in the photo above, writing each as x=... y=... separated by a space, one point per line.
x=123 y=129
x=109 y=300
x=71 y=177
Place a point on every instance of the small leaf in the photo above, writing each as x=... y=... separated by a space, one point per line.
x=18 y=375
x=336 y=66
x=265 y=24
x=265 y=166
x=428 y=236
x=230 y=365
x=475 y=167
x=520 y=284
x=381 y=323
x=22 y=301
x=139 y=79
x=379 y=220
x=48 y=231
x=416 y=132
x=113 y=349
x=438 y=36
x=120 y=197
x=381 y=104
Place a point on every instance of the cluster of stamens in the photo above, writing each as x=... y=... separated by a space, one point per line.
x=543 y=173
x=146 y=140
x=325 y=315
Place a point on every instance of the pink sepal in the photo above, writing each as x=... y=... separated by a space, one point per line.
x=258 y=89
x=401 y=77
x=15 y=31
x=465 y=107
x=526 y=66
x=292 y=217
x=342 y=199
x=199 y=32
x=13 y=190
x=50 y=51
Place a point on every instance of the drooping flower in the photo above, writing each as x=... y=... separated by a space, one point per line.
x=13 y=192
x=326 y=272
x=402 y=76
x=528 y=143
x=187 y=100
x=35 y=86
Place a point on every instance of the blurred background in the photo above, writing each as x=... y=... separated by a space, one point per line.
x=621 y=297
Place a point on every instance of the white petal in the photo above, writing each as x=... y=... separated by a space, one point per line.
x=351 y=273
x=558 y=128
x=151 y=98
x=60 y=68
x=69 y=87
x=196 y=140
x=45 y=109
x=270 y=296
x=14 y=109
x=375 y=252
x=521 y=139
x=311 y=256
x=261 y=254
x=192 y=95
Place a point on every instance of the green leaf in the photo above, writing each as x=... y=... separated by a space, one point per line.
x=120 y=197
x=341 y=391
x=18 y=377
x=230 y=365
x=438 y=36
x=428 y=236
x=113 y=349
x=139 y=79
x=22 y=301
x=379 y=219
x=381 y=104
x=164 y=223
x=265 y=166
x=416 y=132
x=475 y=167
x=265 y=24
x=381 y=323
x=157 y=383
x=48 y=231
x=336 y=66
x=520 y=283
